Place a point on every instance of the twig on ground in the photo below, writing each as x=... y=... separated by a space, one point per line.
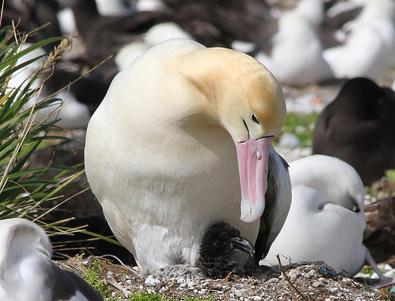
x=289 y=281
x=118 y=286
x=120 y=261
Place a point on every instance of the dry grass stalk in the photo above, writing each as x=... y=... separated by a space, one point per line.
x=300 y=294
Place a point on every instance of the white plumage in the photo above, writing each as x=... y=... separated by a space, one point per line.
x=72 y=114
x=149 y=5
x=297 y=55
x=326 y=219
x=128 y=53
x=160 y=157
x=369 y=49
x=163 y=32
x=66 y=21
x=155 y=35
x=312 y=10
x=113 y=7
x=27 y=272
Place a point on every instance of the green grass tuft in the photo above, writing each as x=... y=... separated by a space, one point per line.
x=301 y=125
x=93 y=277
x=27 y=191
x=390 y=174
x=147 y=297
x=157 y=297
x=368 y=270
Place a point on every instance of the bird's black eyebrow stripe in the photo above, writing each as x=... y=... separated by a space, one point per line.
x=245 y=124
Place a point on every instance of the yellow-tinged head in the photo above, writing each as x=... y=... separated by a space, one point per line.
x=240 y=92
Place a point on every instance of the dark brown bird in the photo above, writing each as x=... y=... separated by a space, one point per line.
x=359 y=128
x=220 y=22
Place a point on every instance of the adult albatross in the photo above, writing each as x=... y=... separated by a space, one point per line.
x=326 y=219
x=161 y=150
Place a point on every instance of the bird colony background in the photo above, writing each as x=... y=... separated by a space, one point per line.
x=60 y=56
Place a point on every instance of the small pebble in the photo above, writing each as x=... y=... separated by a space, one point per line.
x=333 y=290
x=310 y=274
x=323 y=280
x=238 y=292
x=317 y=284
x=109 y=274
x=151 y=281
x=273 y=280
x=257 y=298
x=293 y=274
x=85 y=261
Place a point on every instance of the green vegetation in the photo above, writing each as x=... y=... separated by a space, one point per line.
x=157 y=297
x=147 y=297
x=25 y=190
x=93 y=277
x=301 y=125
x=390 y=174
x=367 y=269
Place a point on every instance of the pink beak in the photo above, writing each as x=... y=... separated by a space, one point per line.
x=253 y=157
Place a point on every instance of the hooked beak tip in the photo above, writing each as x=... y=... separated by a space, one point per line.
x=250 y=214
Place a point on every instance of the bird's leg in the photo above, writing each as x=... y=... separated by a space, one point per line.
x=384 y=281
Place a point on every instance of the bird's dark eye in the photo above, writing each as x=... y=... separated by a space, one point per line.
x=253 y=117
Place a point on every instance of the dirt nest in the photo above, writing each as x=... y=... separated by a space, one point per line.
x=313 y=281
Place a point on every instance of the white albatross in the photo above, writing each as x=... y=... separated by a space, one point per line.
x=164 y=147
x=27 y=272
x=297 y=55
x=326 y=219
x=370 y=45
x=157 y=34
